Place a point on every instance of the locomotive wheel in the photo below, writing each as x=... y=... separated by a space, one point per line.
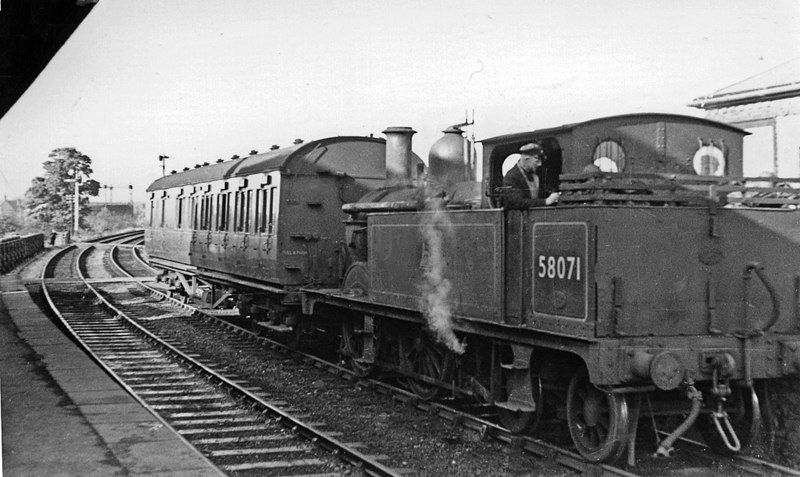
x=597 y=420
x=525 y=422
x=739 y=407
x=421 y=355
x=352 y=348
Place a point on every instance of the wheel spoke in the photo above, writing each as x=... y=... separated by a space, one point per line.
x=603 y=439
x=420 y=355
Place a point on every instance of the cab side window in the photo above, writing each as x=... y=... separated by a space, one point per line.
x=609 y=156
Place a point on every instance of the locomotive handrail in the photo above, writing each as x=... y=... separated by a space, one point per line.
x=678 y=177
x=773 y=295
x=682 y=188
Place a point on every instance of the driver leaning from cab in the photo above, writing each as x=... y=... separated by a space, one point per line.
x=521 y=184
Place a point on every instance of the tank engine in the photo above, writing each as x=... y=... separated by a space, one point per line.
x=664 y=275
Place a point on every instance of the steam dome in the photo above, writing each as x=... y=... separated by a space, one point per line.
x=447 y=163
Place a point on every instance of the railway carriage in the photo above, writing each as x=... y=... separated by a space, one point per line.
x=255 y=229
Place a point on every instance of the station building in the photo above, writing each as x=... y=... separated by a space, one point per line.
x=768 y=106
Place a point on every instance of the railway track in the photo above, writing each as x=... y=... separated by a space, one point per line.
x=129 y=237
x=238 y=429
x=476 y=419
x=472 y=420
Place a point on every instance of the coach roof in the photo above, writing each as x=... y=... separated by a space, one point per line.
x=278 y=159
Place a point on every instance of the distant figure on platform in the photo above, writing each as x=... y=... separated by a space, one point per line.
x=521 y=184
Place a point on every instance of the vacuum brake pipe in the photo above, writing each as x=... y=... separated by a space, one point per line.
x=665 y=447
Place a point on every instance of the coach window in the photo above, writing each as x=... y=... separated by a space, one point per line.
x=152 y=208
x=237 y=204
x=265 y=207
x=246 y=210
x=609 y=156
x=205 y=212
x=179 y=222
x=201 y=209
x=262 y=203
x=223 y=201
x=241 y=218
x=201 y=224
x=271 y=216
x=163 y=207
x=265 y=213
x=192 y=213
x=209 y=210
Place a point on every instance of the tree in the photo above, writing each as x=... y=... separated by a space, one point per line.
x=7 y=225
x=50 y=199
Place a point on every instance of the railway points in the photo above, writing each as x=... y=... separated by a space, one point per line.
x=63 y=415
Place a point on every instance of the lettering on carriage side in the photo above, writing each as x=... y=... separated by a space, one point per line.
x=560 y=285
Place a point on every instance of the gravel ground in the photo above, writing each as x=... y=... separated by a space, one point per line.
x=427 y=445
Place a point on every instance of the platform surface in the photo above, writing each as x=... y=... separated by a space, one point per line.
x=62 y=415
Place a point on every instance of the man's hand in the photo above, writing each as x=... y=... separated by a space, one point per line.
x=552 y=198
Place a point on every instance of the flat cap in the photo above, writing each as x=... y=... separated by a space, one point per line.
x=531 y=149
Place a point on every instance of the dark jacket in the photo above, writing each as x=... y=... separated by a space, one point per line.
x=518 y=195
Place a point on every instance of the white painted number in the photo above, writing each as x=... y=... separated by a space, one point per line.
x=563 y=268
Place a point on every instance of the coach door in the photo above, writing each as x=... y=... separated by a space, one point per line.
x=265 y=222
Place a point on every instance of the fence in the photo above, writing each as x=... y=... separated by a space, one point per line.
x=14 y=250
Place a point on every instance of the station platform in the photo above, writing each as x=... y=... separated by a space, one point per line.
x=62 y=415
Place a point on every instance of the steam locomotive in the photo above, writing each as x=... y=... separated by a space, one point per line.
x=661 y=277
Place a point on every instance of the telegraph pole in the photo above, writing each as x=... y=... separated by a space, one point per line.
x=77 y=200
x=76 y=179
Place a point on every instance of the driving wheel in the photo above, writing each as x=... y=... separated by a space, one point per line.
x=429 y=362
x=352 y=347
x=597 y=420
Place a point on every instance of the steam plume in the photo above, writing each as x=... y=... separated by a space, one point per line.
x=435 y=287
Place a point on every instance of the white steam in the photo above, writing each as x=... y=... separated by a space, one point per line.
x=435 y=287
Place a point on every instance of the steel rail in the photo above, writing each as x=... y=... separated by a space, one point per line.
x=96 y=358
x=116 y=261
x=564 y=457
x=121 y=236
x=540 y=448
x=331 y=444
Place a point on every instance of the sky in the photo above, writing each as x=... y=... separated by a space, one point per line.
x=200 y=80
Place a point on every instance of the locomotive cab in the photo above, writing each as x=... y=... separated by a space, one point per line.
x=659 y=268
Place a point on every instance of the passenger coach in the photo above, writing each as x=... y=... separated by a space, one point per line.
x=255 y=228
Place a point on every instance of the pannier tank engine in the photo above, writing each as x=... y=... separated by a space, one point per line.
x=662 y=284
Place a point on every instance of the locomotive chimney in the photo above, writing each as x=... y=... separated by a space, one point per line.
x=399 y=159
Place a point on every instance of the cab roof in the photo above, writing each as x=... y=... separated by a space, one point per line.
x=637 y=118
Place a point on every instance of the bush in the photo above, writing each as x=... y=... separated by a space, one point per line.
x=106 y=221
